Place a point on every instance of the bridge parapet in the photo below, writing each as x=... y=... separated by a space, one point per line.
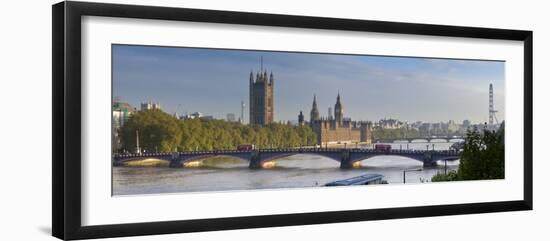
x=411 y=139
x=320 y=150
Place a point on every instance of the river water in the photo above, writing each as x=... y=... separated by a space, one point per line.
x=292 y=172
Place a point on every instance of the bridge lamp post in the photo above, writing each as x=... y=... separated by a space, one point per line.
x=410 y=170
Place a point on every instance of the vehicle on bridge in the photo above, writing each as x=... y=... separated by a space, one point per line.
x=382 y=147
x=367 y=179
x=246 y=147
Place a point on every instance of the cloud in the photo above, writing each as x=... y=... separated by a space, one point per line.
x=215 y=81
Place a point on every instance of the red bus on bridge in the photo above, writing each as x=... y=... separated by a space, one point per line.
x=246 y=147
x=382 y=147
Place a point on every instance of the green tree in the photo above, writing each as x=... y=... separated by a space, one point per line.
x=222 y=135
x=481 y=159
x=158 y=131
x=483 y=155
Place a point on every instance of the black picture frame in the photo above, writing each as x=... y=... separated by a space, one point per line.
x=66 y=127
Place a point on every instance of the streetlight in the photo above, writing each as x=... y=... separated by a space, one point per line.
x=138 y=149
x=410 y=170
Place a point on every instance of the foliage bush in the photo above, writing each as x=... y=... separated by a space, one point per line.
x=442 y=177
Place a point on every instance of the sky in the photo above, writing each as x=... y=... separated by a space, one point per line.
x=215 y=81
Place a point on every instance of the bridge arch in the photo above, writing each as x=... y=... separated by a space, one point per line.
x=362 y=157
x=266 y=156
x=124 y=160
x=354 y=156
x=179 y=161
x=206 y=156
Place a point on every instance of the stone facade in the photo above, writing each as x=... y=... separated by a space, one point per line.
x=338 y=130
x=329 y=131
x=261 y=98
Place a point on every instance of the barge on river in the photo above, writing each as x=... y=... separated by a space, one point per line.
x=367 y=179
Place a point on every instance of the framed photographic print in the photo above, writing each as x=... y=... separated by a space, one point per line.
x=170 y=120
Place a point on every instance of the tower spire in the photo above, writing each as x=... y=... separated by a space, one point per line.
x=314 y=114
x=338 y=110
x=262 y=63
x=314 y=101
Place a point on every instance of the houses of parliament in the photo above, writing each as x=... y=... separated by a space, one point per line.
x=337 y=129
x=329 y=130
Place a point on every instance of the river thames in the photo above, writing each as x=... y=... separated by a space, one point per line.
x=298 y=171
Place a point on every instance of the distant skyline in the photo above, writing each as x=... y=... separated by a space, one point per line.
x=215 y=81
